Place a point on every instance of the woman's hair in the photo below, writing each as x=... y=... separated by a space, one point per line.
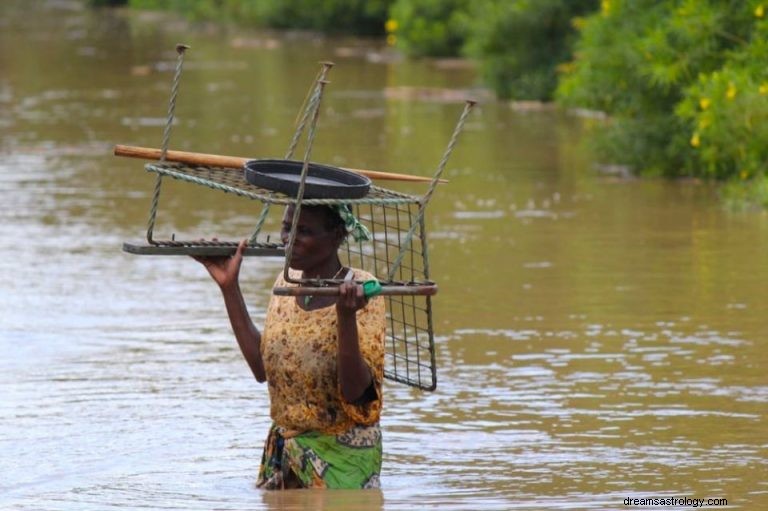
x=332 y=218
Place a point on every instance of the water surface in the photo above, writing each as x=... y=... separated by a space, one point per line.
x=599 y=338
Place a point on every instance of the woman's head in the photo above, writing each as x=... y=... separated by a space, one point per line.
x=319 y=233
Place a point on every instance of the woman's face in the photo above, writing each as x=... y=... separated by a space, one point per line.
x=315 y=246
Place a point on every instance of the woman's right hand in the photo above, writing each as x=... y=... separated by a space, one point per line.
x=225 y=270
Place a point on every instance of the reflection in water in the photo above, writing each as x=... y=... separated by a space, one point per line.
x=598 y=338
x=342 y=500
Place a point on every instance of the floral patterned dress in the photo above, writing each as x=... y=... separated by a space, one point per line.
x=324 y=440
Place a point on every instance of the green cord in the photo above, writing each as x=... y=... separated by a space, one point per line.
x=371 y=288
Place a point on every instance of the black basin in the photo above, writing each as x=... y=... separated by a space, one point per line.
x=323 y=181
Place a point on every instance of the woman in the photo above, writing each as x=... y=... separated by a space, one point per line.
x=322 y=358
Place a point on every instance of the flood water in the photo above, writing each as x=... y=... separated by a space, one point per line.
x=599 y=338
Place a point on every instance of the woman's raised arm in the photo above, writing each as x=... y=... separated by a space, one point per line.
x=225 y=271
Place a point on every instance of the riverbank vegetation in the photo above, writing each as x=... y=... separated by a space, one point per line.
x=683 y=83
x=685 y=86
x=518 y=44
x=357 y=17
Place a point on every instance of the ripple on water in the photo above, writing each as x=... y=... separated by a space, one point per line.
x=566 y=383
x=570 y=405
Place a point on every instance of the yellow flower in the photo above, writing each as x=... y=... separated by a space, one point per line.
x=731 y=92
x=391 y=39
x=605 y=7
x=704 y=103
x=763 y=89
x=391 y=26
x=743 y=174
x=759 y=11
x=695 y=142
x=566 y=68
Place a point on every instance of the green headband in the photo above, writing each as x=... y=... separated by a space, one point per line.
x=352 y=224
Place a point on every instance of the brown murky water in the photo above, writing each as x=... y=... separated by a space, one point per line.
x=599 y=338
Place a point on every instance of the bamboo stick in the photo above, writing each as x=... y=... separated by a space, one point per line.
x=235 y=162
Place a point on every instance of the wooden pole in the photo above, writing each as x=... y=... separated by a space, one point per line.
x=235 y=162
x=414 y=290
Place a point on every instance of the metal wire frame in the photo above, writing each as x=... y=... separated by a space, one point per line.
x=233 y=181
x=410 y=354
x=396 y=255
x=389 y=216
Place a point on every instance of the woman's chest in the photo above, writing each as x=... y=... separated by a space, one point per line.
x=296 y=340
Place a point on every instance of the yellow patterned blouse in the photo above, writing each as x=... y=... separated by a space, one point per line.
x=299 y=352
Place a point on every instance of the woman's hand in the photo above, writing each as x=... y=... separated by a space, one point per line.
x=351 y=298
x=225 y=270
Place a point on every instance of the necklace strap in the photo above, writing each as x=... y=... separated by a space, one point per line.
x=338 y=272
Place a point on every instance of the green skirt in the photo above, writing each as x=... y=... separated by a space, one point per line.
x=349 y=460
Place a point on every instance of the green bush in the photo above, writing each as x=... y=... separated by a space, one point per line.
x=746 y=195
x=434 y=28
x=360 y=17
x=107 y=3
x=520 y=43
x=727 y=112
x=683 y=82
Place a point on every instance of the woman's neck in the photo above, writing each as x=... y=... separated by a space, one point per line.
x=330 y=270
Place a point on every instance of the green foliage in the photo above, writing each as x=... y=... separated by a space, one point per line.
x=436 y=28
x=107 y=3
x=520 y=43
x=746 y=195
x=684 y=82
x=727 y=112
x=361 y=17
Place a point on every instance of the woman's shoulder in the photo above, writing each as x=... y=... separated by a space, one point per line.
x=362 y=275
x=280 y=279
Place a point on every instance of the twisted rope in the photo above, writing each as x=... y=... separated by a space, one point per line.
x=315 y=91
x=376 y=195
x=305 y=169
x=312 y=94
x=180 y=49
x=259 y=224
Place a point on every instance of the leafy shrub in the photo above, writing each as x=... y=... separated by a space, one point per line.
x=727 y=112
x=520 y=43
x=107 y=3
x=682 y=82
x=746 y=195
x=361 y=17
x=436 y=28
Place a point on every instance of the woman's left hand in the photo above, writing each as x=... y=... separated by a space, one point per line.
x=351 y=298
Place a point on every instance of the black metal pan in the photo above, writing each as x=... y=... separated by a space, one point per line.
x=323 y=181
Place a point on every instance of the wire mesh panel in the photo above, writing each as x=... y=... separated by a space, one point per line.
x=396 y=256
x=410 y=356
